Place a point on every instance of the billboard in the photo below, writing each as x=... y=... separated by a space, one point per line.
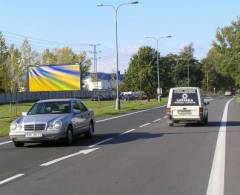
x=54 y=77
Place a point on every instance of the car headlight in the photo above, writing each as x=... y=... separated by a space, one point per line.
x=55 y=125
x=15 y=127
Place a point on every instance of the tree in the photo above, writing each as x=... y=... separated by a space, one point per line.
x=141 y=74
x=49 y=57
x=28 y=57
x=185 y=60
x=13 y=68
x=223 y=58
x=167 y=66
x=3 y=65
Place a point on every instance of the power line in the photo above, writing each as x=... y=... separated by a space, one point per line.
x=43 y=40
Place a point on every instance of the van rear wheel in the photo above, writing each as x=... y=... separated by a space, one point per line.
x=18 y=144
x=206 y=120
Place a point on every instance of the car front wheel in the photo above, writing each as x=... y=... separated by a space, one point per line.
x=90 y=131
x=69 y=137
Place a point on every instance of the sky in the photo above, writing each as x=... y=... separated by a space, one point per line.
x=76 y=23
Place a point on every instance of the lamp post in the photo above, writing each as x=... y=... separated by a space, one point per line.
x=116 y=8
x=158 y=74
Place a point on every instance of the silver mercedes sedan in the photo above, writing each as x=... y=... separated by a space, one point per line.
x=53 y=120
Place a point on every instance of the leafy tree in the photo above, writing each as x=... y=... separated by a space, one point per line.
x=28 y=57
x=167 y=66
x=3 y=65
x=13 y=68
x=49 y=57
x=223 y=59
x=185 y=60
x=141 y=74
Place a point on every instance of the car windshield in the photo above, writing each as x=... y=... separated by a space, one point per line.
x=184 y=97
x=50 y=108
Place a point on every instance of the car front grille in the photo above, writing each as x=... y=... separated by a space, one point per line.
x=34 y=127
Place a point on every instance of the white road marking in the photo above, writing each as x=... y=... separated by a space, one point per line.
x=157 y=120
x=11 y=178
x=87 y=151
x=127 y=131
x=144 y=125
x=216 y=179
x=6 y=142
x=132 y=113
x=165 y=116
x=101 y=142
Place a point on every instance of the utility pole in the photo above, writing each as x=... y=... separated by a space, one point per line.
x=207 y=83
x=95 y=58
x=188 y=75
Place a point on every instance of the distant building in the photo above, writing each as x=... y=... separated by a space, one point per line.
x=101 y=81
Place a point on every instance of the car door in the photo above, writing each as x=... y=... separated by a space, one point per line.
x=77 y=117
x=85 y=116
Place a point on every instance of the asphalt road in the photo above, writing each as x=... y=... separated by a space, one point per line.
x=139 y=154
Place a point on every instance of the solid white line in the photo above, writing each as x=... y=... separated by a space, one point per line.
x=101 y=142
x=144 y=125
x=132 y=113
x=216 y=179
x=11 y=178
x=127 y=131
x=6 y=142
x=157 y=120
x=87 y=151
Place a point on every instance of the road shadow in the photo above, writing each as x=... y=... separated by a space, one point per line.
x=214 y=124
x=83 y=141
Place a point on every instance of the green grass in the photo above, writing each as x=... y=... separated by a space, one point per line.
x=238 y=98
x=104 y=108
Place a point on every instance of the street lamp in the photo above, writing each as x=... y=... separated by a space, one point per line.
x=116 y=8
x=157 y=40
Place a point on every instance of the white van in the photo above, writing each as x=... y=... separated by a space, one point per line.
x=186 y=104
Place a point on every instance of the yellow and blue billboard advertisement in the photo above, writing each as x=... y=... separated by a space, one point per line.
x=54 y=77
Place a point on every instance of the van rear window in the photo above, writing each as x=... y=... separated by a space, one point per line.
x=184 y=97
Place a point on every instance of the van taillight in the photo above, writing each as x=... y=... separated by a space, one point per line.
x=201 y=111
x=168 y=110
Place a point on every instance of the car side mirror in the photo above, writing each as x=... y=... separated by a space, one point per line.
x=24 y=113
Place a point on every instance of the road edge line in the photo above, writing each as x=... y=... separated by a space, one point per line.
x=217 y=174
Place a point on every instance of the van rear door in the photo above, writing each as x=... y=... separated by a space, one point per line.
x=185 y=103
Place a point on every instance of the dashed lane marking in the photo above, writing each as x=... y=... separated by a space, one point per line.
x=101 y=142
x=11 y=178
x=87 y=151
x=128 y=131
x=157 y=120
x=144 y=125
x=132 y=113
x=6 y=142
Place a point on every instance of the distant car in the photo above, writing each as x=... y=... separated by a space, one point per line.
x=102 y=97
x=227 y=93
x=53 y=120
x=97 y=97
x=186 y=104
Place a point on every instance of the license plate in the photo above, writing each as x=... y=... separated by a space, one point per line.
x=33 y=134
x=184 y=112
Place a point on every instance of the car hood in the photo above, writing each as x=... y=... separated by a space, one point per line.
x=43 y=118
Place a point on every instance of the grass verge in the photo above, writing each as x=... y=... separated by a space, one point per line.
x=238 y=98
x=104 y=108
